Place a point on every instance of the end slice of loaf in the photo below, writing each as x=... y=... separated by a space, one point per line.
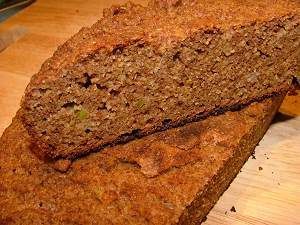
x=143 y=69
x=171 y=177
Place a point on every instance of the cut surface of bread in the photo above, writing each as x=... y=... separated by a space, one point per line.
x=144 y=69
x=170 y=177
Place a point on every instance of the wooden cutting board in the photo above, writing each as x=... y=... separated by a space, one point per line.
x=267 y=191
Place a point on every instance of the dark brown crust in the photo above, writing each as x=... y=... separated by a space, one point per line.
x=86 y=42
x=154 y=180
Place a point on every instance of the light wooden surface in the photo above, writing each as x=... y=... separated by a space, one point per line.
x=267 y=196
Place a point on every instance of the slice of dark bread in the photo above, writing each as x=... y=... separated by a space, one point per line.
x=143 y=69
x=170 y=177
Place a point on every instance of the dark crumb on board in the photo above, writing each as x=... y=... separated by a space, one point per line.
x=292 y=92
x=260 y=168
x=253 y=156
x=225 y=212
x=295 y=86
x=232 y=209
x=272 y=172
x=278 y=183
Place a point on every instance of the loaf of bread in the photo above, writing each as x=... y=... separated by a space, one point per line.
x=170 y=177
x=139 y=70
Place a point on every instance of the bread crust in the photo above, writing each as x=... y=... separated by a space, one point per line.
x=171 y=177
x=110 y=31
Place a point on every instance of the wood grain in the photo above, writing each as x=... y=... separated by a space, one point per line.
x=267 y=196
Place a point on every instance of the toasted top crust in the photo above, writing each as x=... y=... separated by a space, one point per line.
x=161 y=24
